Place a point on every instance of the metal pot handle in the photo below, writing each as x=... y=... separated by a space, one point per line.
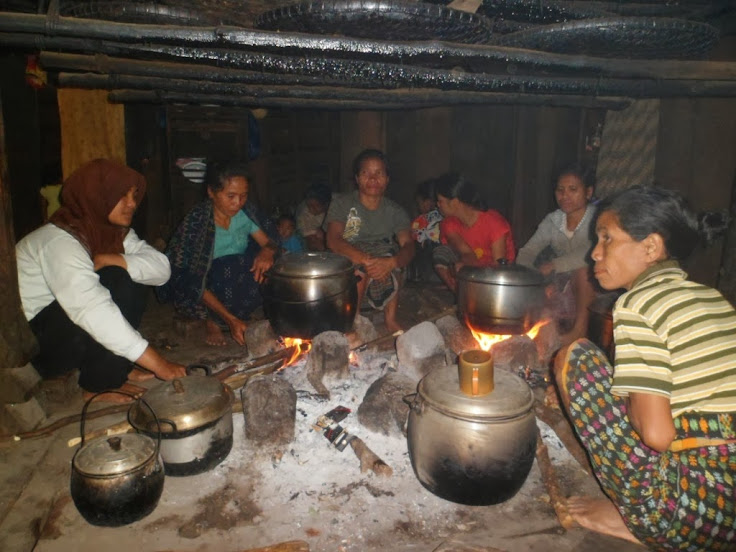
x=411 y=400
x=141 y=399
x=162 y=421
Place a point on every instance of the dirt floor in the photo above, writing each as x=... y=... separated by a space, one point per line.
x=307 y=490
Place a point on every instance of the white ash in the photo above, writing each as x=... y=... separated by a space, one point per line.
x=320 y=485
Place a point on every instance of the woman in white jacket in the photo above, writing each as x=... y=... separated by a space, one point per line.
x=559 y=249
x=82 y=280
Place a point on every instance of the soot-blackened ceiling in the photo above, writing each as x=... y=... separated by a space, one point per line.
x=360 y=54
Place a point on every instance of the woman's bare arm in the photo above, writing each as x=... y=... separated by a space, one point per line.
x=651 y=416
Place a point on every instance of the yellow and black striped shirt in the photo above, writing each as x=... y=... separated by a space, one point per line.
x=676 y=338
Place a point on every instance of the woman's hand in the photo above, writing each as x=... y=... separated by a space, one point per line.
x=154 y=362
x=102 y=260
x=262 y=262
x=237 y=329
x=546 y=269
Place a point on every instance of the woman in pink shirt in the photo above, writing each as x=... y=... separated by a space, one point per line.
x=470 y=233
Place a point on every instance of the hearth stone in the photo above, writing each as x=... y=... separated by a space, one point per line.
x=330 y=356
x=269 y=409
x=517 y=354
x=548 y=342
x=383 y=409
x=457 y=336
x=261 y=339
x=420 y=349
x=363 y=332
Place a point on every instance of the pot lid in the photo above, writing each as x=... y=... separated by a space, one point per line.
x=505 y=275
x=311 y=264
x=189 y=402
x=117 y=455
x=511 y=396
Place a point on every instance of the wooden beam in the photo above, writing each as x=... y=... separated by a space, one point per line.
x=399 y=101
x=407 y=96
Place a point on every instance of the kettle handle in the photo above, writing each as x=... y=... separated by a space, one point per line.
x=411 y=400
x=141 y=399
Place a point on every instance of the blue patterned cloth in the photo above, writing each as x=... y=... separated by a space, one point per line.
x=190 y=252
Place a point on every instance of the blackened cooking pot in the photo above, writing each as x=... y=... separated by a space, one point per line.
x=306 y=294
x=116 y=480
x=475 y=450
x=506 y=299
x=196 y=419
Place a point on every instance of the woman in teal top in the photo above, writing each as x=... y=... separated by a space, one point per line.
x=214 y=272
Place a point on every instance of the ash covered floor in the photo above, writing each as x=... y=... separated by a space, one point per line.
x=307 y=490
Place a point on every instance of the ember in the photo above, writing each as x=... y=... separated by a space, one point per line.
x=301 y=346
x=488 y=340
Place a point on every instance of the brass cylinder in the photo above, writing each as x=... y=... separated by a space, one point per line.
x=475 y=372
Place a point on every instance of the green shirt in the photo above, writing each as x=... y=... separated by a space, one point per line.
x=677 y=339
x=234 y=240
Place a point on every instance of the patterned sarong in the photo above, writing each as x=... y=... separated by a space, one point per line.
x=380 y=292
x=683 y=500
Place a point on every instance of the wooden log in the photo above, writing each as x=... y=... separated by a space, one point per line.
x=49 y=429
x=561 y=426
x=369 y=460
x=115 y=429
x=552 y=485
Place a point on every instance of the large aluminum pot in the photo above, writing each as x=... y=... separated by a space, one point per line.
x=306 y=294
x=506 y=299
x=196 y=422
x=474 y=450
x=116 y=480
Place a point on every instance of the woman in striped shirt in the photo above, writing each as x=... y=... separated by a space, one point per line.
x=660 y=427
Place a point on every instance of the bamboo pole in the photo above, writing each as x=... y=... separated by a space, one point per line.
x=449 y=54
x=158 y=88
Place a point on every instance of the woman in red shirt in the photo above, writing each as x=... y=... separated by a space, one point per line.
x=470 y=233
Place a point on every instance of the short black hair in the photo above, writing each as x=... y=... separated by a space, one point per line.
x=369 y=154
x=427 y=190
x=319 y=191
x=218 y=173
x=286 y=217
x=579 y=170
x=645 y=210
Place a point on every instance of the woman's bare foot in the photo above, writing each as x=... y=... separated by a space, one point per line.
x=117 y=398
x=214 y=336
x=140 y=374
x=599 y=515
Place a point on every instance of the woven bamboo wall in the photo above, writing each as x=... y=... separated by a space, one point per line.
x=91 y=127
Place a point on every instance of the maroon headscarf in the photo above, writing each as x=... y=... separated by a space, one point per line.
x=87 y=198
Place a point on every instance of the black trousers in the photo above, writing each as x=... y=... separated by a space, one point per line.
x=64 y=346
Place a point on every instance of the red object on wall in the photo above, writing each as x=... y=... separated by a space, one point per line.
x=35 y=76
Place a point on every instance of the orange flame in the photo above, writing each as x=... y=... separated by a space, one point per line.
x=488 y=340
x=301 y=346
x=353 y=358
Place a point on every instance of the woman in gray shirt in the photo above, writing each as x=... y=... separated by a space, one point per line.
x=559 y=249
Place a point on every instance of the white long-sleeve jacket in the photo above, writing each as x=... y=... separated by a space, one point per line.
x=53 y=264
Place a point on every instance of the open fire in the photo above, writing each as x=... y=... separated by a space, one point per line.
x=488 y=340
x=301 y=347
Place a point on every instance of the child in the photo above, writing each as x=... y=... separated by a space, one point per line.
x=290 y=241
x=425 y=230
